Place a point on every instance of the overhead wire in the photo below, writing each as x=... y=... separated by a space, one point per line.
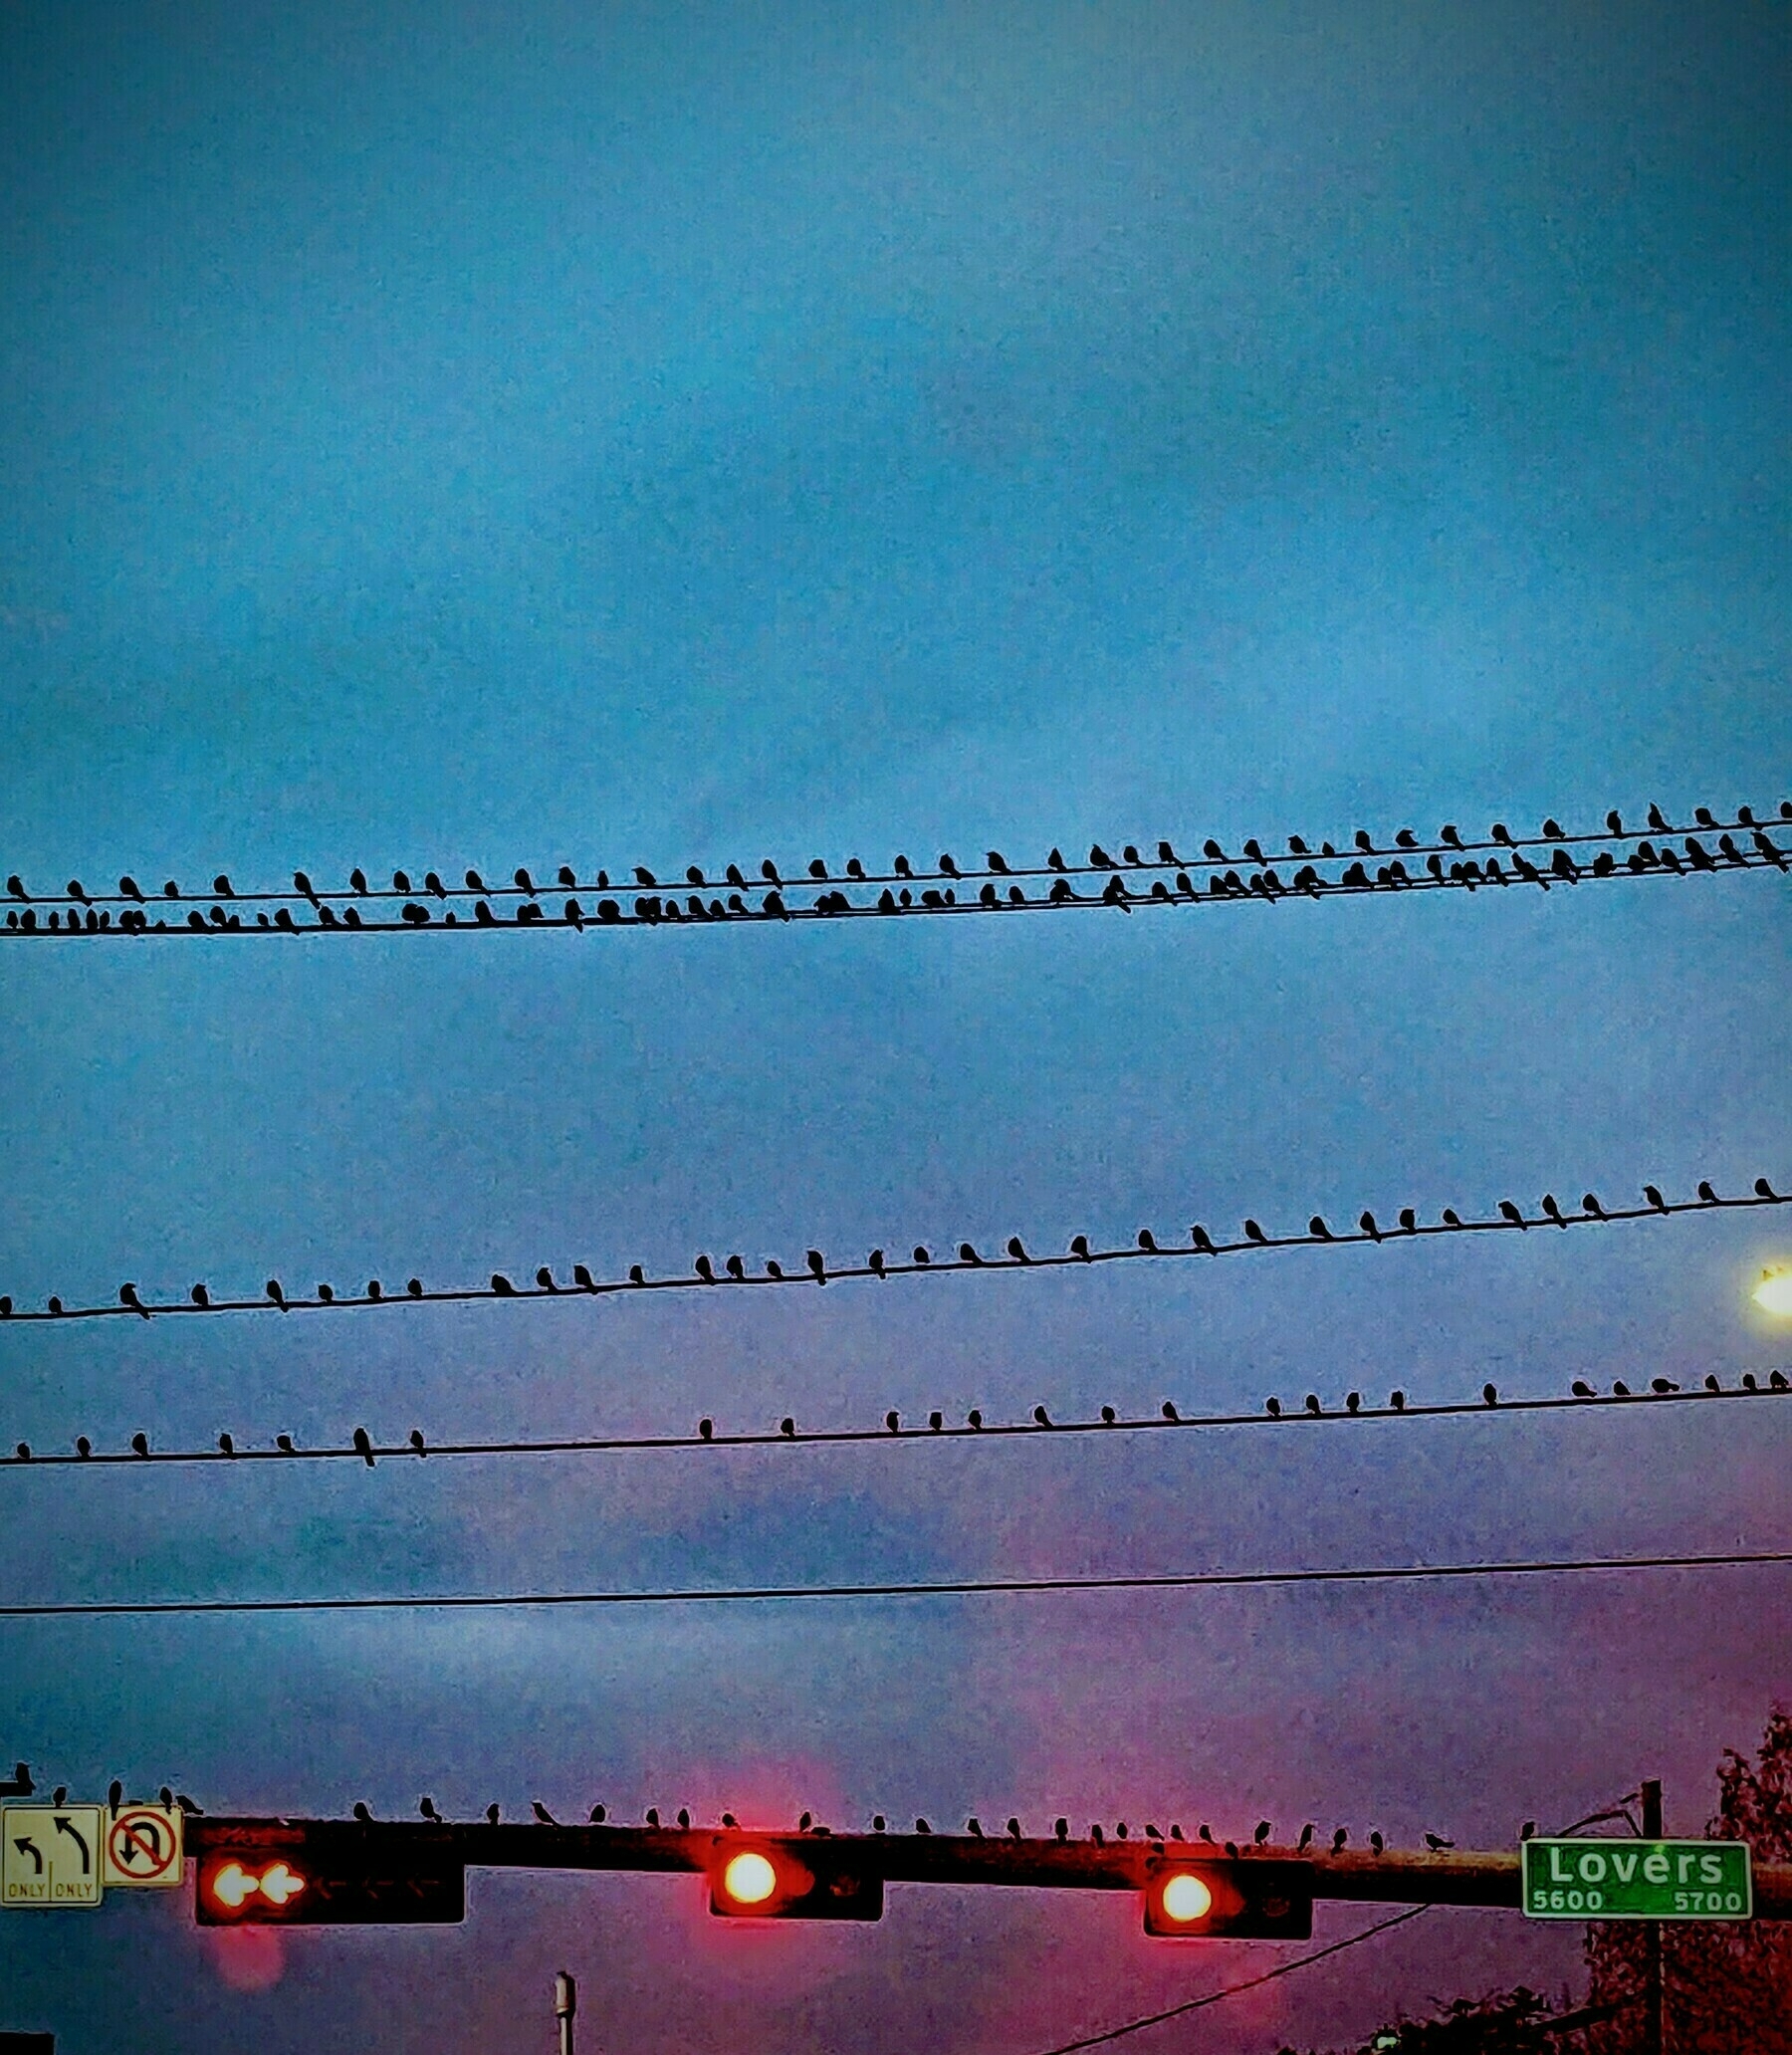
x=950 y=1587
x=817 y=1269
x=1450 y=863
x=361 y=1448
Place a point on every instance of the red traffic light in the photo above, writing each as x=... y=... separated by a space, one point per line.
x=778 y=1879
x=251 y=1887
x=1264 y=1899
x=328 y=1885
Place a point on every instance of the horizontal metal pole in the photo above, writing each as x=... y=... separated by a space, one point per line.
x=1463 y=1877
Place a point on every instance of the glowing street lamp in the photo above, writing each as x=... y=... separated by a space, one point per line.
x=1773 y=1294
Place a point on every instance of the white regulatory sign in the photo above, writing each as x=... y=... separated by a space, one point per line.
x=51 y=1855
x=143 y=1847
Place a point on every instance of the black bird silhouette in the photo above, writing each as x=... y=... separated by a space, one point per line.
x=935 y=1423
x=1169 y=1411
x=544 y=1817
x=1099 y=857
x=362 y=1811
x=788 y=1428
x=128 y=1296
x=1509 y=1212
x=1367 y=1222
x=492 y=1815
x=1096 y=1833
x=1654 y=1198
x=364 y=1448
x=1620 y=1389
x=1231 y=1849
x=1435 y=1843
x=501 y=1287
x=652 y=1816
x=1376 y=1843
x=1491 y=1393
x=1261 y=1833
x=1582 y=1389
x=226 y=1445
x=1777 y=1378
x=1108 y=1415
x=1528 y=1831
x=1206 y=1833
x=1748 y=1381
x=1552 y=1210
x=1312 y=1404
x=115 y=1794
x=704 y=1270
x=600 y=1813
x=200 y=1297
x=165 y=1798
x=1397 y=1399
x=893 y=1421
x=974 y=1419
x=139 y=1444
x=1663 y=1385
x=418 y=1445
x=1339 y=1839
x=1306 y=1839
x=705 y=1429
x=968 y=1255
x=643 y=876
x=1406 y=839
x=1352 y=1401
x=1318 y=1230
x=1080 y=1245
x=283 y=1443
x=769 y=871
x=1041 y=1417
x=948 y=868
x=974 y=1827
x=276 y=1294
x=1253 y=1233
x=921 y=1827
x=1014 y=1829
x=1711 y=1383
x=1273 y=1408
x=426 y=1806
x=818 y=1268
x=16 y=886
x=1706 y=1192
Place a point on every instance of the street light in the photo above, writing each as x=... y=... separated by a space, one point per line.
x=1773 y=1294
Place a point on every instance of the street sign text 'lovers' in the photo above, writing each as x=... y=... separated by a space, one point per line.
x=1638 y=1880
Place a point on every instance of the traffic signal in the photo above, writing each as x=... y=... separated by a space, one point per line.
x=754 y=1879
x=303 y=1885
x=1247 y=1899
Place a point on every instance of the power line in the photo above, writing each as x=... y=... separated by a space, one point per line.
x=92 y=917
x=733 y=1273
x=1232 y=1990
x=1653 y=1392
x=768 y=876
x=958 y=1587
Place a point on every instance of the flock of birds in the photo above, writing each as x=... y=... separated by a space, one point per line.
x=362 y=1447
x=1450 y=860
x=877 y=1264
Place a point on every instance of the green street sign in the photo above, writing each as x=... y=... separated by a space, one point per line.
x=1637 y=1879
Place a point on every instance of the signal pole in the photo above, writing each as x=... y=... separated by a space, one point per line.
x=566 y=2003
x=1652 y=2021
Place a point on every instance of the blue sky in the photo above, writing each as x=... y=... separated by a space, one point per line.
x=685 y=434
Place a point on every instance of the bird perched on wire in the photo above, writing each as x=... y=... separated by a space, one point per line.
x=544 y=1818
x=1339 y=1839
x=426 y=1806
x=1376 y=1843
x=1436 y=1843
x=1306 y=1838
x=362 y=1811
x=492 y=1815
x=1261 y=1833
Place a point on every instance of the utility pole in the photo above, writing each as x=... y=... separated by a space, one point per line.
x=566 y=2003
x=1653 y=2023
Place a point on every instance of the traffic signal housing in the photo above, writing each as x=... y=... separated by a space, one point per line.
x=326 y=1880
x=754 y=1878
x=1251 y=1898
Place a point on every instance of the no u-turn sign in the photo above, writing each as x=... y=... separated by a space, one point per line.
x=143 y=1847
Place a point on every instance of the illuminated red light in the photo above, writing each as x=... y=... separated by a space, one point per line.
x=749 y=1879
x=235 y=1886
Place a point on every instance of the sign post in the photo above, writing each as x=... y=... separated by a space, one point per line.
x=51 y=1856
x=1637 y=1879
x=143 y=1847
